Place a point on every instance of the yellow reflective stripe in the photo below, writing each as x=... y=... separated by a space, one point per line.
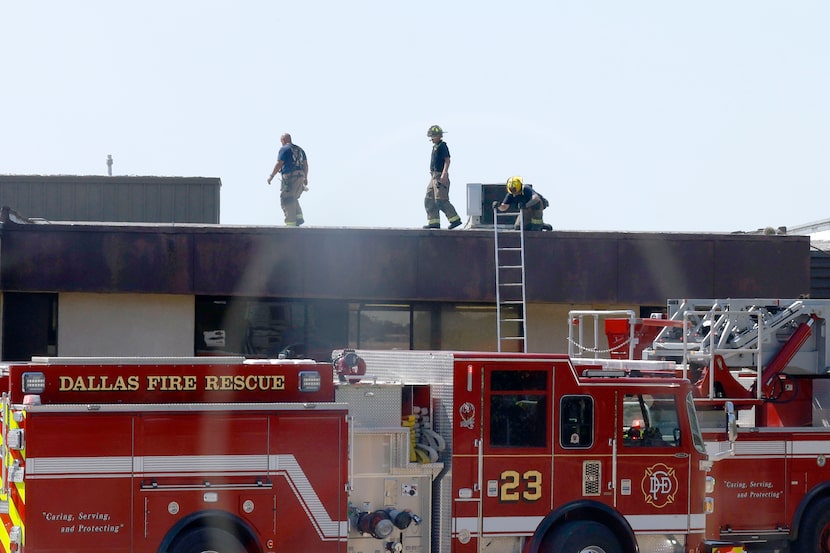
x=21 y=492
x=7 y=457
x=17 y=520
x=17 y=496
x=5 y=520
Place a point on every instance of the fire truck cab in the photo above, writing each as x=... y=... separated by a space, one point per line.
x=540 y=455
x=770 y=358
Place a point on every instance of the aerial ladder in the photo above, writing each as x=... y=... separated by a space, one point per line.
x=763 y=337
x=510 y=283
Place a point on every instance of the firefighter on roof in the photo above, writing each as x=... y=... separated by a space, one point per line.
x=531 y=204
x=438 y=189
x=292 y=164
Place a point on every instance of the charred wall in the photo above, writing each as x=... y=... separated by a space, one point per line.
x=395 y=264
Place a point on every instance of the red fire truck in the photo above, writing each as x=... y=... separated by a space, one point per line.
x=378 y=452
x=771 y=359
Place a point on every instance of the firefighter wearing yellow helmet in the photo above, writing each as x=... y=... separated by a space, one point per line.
x=438 y=190
x=531 y=204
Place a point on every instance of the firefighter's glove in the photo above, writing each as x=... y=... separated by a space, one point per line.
x=496 y=204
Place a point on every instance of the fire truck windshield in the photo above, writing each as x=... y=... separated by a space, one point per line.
x=697 y=436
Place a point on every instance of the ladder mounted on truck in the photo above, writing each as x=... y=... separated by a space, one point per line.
x=734 y=328
x=740 y=349
x=511 y=323
x=760 y=338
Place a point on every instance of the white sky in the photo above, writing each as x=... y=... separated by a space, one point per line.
x=628 y=115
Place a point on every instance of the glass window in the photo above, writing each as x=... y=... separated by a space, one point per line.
x=270 y=327
x=577 y=421
x=426 y=327
x=248 y=326
x=273 y=327
x=518 y=409
x=383 y=326
x=518 y=380
x=650 y=421
x=461 y=327
x=469 y=327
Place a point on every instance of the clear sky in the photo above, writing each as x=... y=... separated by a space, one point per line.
x=663 y=116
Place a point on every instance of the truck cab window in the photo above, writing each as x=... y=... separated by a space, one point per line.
x=650 y=420
x=577 y=422
x=518 y=409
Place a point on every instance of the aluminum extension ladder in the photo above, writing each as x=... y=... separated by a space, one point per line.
x=510 y=283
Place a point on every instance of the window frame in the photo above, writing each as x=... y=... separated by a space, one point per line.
x=577 y=427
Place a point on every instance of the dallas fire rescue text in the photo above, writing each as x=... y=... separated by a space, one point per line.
x=171 y=383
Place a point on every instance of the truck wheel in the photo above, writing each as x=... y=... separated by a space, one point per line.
x=814 y=535
x=207 y=540
x=582 y=537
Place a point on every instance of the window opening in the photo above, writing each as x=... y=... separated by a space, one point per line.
x=518 y=409
x=577 y=422
x=650 y=420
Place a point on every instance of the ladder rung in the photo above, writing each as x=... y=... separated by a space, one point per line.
x=512 y=337
x=510 y=266
x=510 y=284
x=511 y=302
x=512 y=320
x=510 y=249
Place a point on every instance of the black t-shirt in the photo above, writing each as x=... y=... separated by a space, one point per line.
x=440 y=152
x=523 y=198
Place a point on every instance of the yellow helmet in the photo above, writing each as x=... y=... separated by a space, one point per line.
x=514 y=185
x=435 y=130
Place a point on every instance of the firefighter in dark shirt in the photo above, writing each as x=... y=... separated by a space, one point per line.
x=438 y=189
x=292 y=164
x=531 y=204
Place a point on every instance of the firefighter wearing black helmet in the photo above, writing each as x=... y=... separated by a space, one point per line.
x=438 y=189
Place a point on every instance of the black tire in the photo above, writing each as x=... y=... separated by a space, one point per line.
x=207 y=540
x=814 y=533
x=582 y=537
